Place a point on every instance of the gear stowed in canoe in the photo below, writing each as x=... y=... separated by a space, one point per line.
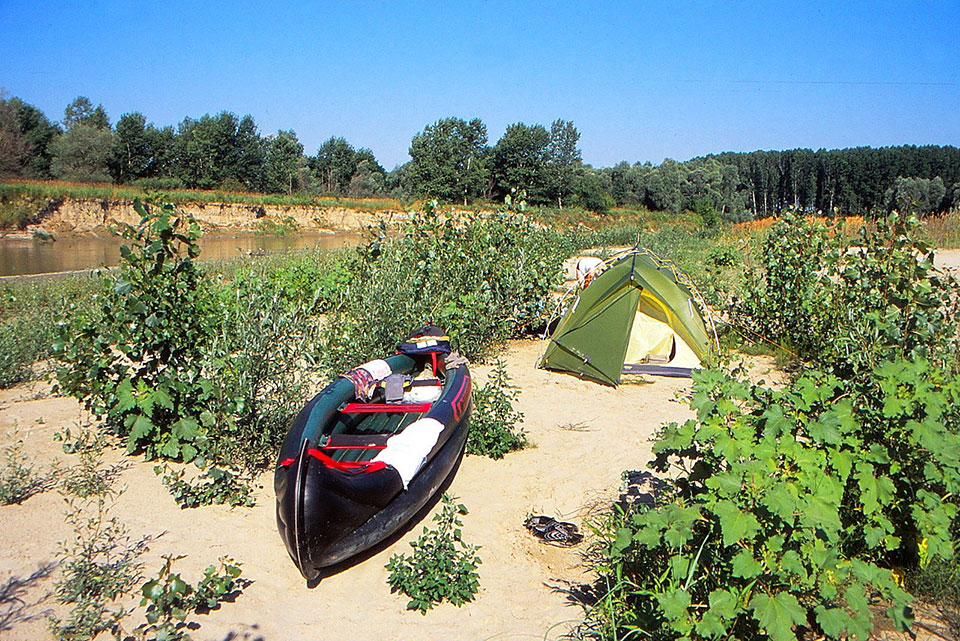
x=370 y=450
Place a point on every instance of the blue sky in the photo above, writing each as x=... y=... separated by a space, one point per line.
x=642 y=81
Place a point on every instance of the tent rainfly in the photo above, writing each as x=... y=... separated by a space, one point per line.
x=637 y=317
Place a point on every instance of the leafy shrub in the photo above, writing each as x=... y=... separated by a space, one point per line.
x=442 y=567
x=99 y=568
x=788 y=300
x=482 y=277
x=892 y=303
x=791 y=508
x=139 y=365
x=220 y=487
x=170 y=600
x=18 y=481
x=29 y=313
x=849 y=305
x=267 y=342
x=87 y=479
x=494 y=422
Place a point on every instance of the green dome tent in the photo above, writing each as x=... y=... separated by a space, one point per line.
x=639 y=316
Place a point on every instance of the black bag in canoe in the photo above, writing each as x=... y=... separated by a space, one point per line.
x=354 y=468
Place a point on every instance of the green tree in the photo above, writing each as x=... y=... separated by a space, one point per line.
x=82 y=112
x=82 y=153
x=14 y=146
x=139 y=150
x=448 y=160
x=664 y=186
x=334 y=165
x=220 y=151
x=284 y=159
x=519 y=160
x=369 y=179
x=563 y=160
x=916 y=195
x=25 y=137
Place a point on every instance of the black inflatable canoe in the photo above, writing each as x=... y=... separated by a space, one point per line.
x=351 y=473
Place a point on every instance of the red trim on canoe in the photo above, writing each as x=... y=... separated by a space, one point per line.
x=362 y=467
x=348 y=466
x=370 y=408
x=354 y=447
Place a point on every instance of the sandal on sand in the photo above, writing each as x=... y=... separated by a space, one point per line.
x=549 y=530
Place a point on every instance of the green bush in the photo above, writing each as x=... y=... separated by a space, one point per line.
x=170 y=600
x=139 y=363
x=442 y=567
x=494 y=423
x=482 y=277
x=265 y=347
x=29 y=313
x=215 y=486
x=18 y=480
x=100 y=566
x=791 y=509
x=788 y=300
x=848 y=305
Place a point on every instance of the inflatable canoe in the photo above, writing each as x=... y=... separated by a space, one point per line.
x=356 y=467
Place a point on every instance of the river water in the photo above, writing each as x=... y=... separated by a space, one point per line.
x=26 y=256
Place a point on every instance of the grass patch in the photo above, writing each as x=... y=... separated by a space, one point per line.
x=943 y=231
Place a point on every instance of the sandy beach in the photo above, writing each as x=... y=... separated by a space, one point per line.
x=583 y=436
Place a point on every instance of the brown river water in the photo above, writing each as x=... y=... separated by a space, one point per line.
x=20 y=256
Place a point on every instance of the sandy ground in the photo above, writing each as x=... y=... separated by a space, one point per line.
x=584 y=435
x=948 y=260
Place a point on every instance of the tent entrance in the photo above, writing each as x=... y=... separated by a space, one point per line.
x=654 y=345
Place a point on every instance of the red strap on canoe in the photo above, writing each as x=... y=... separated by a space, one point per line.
x=348 y=466
x=370 y=408
x=362 y=467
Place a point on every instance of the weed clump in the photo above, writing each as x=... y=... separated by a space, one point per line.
x=495 y=424
x=18 y=480
x=442 y=567
x=215 y=486
x=100 y=566
x=169 y=600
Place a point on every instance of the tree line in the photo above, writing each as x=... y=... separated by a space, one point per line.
x=452 y=160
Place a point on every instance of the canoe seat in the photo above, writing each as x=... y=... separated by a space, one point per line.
x=355 y=442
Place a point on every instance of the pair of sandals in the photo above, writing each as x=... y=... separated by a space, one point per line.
x=554 y=532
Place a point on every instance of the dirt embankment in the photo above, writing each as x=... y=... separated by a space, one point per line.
x=74 y=216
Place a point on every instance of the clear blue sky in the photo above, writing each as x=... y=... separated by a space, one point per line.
x=641 y=80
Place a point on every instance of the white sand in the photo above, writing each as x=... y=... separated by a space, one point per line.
x=567 y=473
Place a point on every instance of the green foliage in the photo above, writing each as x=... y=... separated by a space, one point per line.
x=858 y=303
x=29 y=313
x=494 y=423
x=787 y=301
x=267 y=329
x=283 y=227
x=890 y=300
x=18 y=480
x=448 y=160
x=87 y=478
x=792 y=508
x=214 y=486
x=916 y=195
x=138 y=364
x=169 y=600
x=482 y=277
x=442 y=567
x=99 y=568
